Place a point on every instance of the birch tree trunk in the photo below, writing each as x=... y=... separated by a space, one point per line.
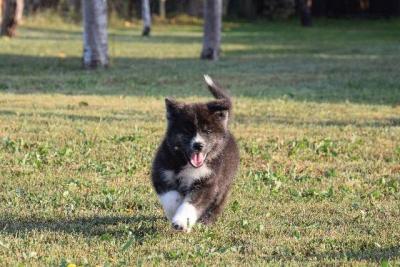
x=305 y=12
x=162 y=9
x=95 y=43
x=212 y=29
x=195 y=8
x=11 y=16
x=1 y=12
x=77 y=6
x=146 y=16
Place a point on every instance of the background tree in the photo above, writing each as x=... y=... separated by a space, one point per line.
x=95 y=43
x=305 y=12
x=212 y=29
x=1 y=11
x=162 y=9
x=146 y=16
x=11 y=16
x=248 y=9
x=194 y=7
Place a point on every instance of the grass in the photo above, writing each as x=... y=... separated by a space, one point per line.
x=317 y=117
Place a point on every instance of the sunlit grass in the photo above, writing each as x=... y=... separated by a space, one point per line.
x=316 y=116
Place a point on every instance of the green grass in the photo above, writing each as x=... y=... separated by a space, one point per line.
x=317 y=117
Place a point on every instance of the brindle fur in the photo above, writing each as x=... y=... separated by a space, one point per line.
x=207 y=194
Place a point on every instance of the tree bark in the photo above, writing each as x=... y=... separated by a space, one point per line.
x=305 y=12
x=77 y=6
x=95 y=43
x=11 y=17
x=162 y=9
x=248 y=9
x=146 y=16
x=1 y=12
x=131 y=8
x=194 y=8
x=212 y=29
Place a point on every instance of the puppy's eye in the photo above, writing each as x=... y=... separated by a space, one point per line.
x=208 y=131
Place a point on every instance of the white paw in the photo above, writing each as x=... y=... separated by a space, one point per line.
x=170 y=202
x=185 y=217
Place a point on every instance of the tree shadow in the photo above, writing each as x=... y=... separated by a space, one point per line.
x=139 y=225
x=376 y=255
x=295 y=121
x=131 y=35
x=182 y=77
x=370 y=254
x=125 y=116
x=262 y=61
x=242 y=119
x=52 y=32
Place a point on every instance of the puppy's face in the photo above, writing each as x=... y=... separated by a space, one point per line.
x=197 y=130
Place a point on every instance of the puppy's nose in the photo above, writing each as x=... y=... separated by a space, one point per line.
x=198 y=146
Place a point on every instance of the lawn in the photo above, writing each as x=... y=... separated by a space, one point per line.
x=317 y=117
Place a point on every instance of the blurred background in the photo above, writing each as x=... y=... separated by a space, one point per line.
x=248 y=9
x=318 y=50
x=316 y=94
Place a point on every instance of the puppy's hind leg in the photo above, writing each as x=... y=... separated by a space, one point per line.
x=210 y=215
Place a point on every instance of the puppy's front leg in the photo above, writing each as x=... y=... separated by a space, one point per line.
x=192 y=208
x=186 y=216
x=170 y=201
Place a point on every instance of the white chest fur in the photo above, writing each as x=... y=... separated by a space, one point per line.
x=188 y=175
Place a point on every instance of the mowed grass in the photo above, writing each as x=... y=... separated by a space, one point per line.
x=317 y=117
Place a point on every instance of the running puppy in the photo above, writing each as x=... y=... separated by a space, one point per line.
x=197 y=160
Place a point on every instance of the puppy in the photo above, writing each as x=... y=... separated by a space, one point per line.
x=197 y=160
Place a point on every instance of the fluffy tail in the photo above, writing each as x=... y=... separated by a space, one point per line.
x=216 y=90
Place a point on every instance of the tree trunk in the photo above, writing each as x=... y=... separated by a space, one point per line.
x=195 y=8
x=162 y=9
x=248 y=9
x=1 y=11
x=76 y=5
x=305 y=12
x=212 y=29
x=146 y=16
x=31 y=7
x=225 y=4
x=11 y=16
x=181 y=6
x=95 y=43
x=131 y=8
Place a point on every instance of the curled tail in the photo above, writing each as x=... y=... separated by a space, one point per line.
x=217 y=91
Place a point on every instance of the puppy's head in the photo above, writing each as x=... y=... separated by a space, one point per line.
x=198 y=130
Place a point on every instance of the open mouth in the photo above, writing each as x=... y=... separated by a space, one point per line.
x=197 y=159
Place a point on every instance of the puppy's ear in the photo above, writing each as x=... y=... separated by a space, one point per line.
x=172 y=106
x=220 y=109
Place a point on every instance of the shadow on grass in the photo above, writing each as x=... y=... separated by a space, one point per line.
x=52 y=32
x=299 y=79
x=239 y=118
x=328 y=63
x=294 y=121
x=130 y=36
x=368 y=254
x=376 y=255
x=139 y=225
x=126 y=116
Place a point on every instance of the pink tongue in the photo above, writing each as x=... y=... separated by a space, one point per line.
x=197 y=159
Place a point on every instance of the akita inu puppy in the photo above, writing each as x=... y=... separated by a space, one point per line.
x=197 y=160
